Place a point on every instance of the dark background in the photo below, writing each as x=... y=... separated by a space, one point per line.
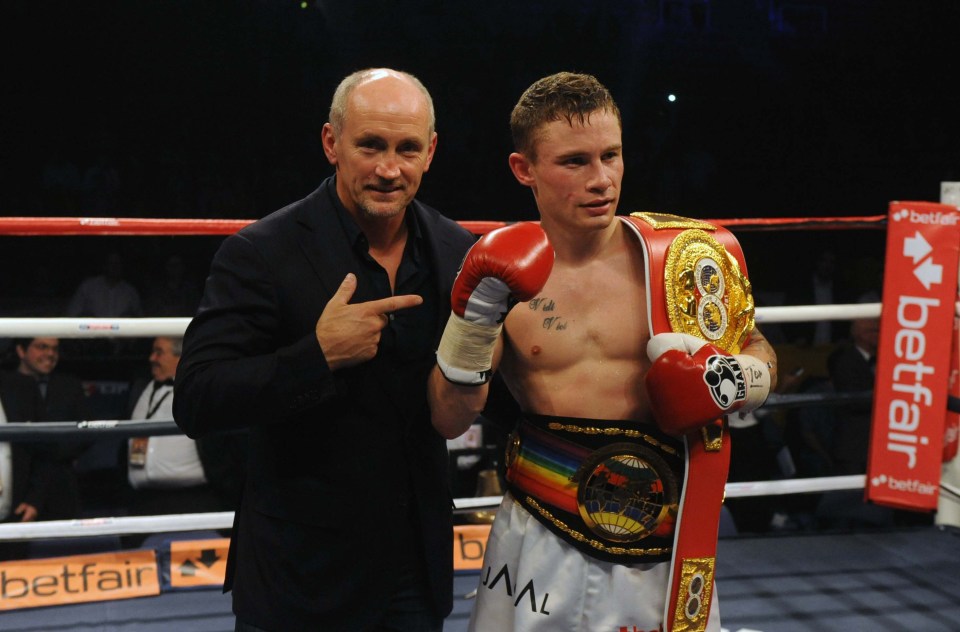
x=212 y=109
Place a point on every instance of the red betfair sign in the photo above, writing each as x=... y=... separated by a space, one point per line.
x=913 y=362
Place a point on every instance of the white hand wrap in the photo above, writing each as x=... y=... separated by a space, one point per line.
x=466 y=350
x=756 y=373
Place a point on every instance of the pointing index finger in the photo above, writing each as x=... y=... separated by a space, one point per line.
x=394 y=303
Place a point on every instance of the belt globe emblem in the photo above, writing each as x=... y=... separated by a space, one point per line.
x=627 y=492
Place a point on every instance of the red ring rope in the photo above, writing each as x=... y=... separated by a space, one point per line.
x=33 y=226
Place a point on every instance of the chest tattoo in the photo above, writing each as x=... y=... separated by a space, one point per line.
x=555 y=323
x=550 y=322
x=542 y=304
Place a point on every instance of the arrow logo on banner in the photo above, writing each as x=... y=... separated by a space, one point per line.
x=929 y=273
x=209 y=557
x=916 y=247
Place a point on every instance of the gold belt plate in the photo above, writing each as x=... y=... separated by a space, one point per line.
x=707 y=294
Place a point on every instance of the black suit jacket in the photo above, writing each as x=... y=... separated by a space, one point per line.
x=33 y=471
x=316 y=535
x=850 y=372
x=65 y=400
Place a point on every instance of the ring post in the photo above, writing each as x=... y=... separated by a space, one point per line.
x=948 y=504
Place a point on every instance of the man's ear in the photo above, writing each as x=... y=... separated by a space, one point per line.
x=521 y=168
x=329 y=141
x=431 y=149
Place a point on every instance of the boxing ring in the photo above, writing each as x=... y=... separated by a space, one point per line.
x=885 y=579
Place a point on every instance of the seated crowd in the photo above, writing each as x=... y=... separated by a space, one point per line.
x=150 y=475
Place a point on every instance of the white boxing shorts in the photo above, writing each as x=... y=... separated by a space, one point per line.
x=532 y=581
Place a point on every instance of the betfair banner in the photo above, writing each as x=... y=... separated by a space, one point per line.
x=178 y=565
x=77 y=579
x=913 y=362
x=469 y=545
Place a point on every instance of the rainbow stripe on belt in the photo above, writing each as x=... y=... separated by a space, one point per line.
x=545 y=467
x=610 y=489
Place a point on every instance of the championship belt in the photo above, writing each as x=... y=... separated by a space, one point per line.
x=609 y=489
x=696 y=284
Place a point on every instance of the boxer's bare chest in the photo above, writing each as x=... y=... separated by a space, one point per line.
x=587 y=313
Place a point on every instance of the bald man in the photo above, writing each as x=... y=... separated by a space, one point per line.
x=316 y=333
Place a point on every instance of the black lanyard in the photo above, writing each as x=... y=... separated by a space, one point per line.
x=151 y=407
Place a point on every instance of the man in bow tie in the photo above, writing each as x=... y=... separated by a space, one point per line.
x=165 y=472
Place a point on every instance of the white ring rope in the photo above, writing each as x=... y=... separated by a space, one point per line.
x=89 y=527
x=224 y=519
x=92 y=327
x=807 y=313
x=795 y=486
x=149 y=327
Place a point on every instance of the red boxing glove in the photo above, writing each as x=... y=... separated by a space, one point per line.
x=511 y=261
x=506 y=265
x=692 y=382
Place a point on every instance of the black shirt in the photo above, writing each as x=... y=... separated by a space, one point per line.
x=410 y=332
x=390 y=390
